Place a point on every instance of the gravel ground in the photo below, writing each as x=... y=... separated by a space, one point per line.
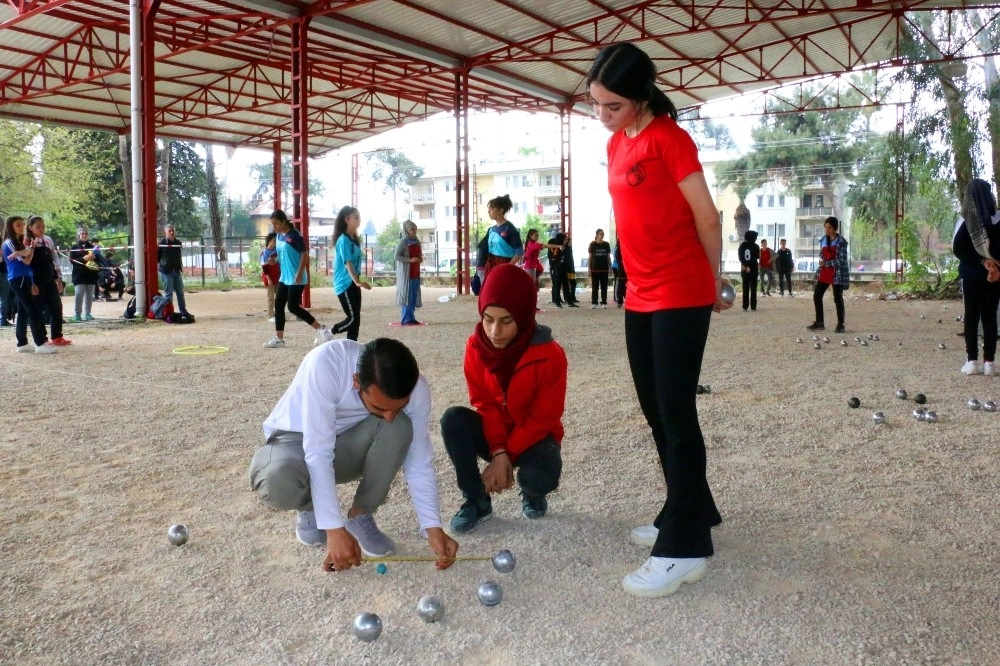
x=843 y=542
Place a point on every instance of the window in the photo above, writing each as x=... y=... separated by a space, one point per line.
x=449 y=186
x=819 y=201
x=430 y=237
x=448 y=236
x=548 y=181
x=781 y=201
x=430 y=214
x=807 y=201
x=770 y=201
x=517 y=207
x=525 y=181
x=760 y=201
x=760 y=230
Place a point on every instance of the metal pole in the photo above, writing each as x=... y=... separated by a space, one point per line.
x=138 y=212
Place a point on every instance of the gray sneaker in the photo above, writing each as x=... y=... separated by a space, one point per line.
x=306 y=531
x=373 y=542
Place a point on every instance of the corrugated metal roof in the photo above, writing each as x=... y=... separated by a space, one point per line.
x=223 y=67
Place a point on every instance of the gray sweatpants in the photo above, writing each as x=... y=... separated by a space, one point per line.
x=372 y=451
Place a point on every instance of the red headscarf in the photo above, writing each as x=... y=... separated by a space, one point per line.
x=510 y=288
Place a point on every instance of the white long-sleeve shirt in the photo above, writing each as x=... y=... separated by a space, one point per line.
x=321 y=403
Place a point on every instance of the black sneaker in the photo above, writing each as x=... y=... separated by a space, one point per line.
x=471 y=514
x=534 y=507
x=815 y=326
x=840 y=329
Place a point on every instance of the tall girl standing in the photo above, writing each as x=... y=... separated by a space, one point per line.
x=293 y=260
x=671 y=242
x=48 y=278
x=17 y=254
x=347 y=284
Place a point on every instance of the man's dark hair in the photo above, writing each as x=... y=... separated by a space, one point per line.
x=389 y=365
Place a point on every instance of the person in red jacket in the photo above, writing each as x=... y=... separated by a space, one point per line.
x=516 y=374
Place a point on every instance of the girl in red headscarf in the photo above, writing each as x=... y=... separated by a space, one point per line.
x=516 y=374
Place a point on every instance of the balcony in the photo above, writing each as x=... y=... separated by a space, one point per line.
x=813 y=212
x=422 y=197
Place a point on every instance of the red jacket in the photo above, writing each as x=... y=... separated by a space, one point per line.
x=533 y=407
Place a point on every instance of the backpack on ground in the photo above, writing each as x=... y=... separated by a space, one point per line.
x=130 y=309
x=161 y=307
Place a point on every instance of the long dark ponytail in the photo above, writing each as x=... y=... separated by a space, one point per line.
x=625 y=69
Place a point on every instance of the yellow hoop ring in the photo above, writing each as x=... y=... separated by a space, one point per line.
x=200 y=350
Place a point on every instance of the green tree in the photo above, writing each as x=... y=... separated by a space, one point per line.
x=395 y=171
x=386 y=242
x=263 y=174
x=188 y=189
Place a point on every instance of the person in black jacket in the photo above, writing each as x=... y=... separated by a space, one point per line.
x=168 y=260
x=555 y=266
x=784 y=263
x=980 y=274
x=85 y=269
x=47 y=278
x=749 y=253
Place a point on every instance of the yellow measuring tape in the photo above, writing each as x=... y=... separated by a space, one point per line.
x=200 y=350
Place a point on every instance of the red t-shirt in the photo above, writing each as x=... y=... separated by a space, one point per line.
x=667 y=265
x=765 y=258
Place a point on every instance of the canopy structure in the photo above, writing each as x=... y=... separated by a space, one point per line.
x=309 y=76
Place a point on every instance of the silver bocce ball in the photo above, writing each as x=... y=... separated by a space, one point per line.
x=430 y=608
x=941 y=345
x=489 y=593
x=815 y=338
x=875 y=338
x=727 y=293
x=864 y=343
x=843 y=343
x=504 y=561
x=826 y=338
x=798 y=340
x=919 y=414
x=989 y=406
x=931 y=417
x=973 y=404
x=178 y=535
x=817 y=346
x=901 y=394
x=367 y=626
x=878 y=418
x=708 y=388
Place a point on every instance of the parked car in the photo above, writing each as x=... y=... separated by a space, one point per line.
x=807 y=265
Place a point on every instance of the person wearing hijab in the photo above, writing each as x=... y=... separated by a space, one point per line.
x=980 y=275
x=516 y=375
x=409 y=256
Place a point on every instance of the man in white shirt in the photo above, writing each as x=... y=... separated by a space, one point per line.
x=353 y=412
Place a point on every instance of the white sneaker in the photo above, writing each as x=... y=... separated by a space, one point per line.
x=25 y=349
x=270 y=320
x=988 y=368
x=275 y=343
x=660 y=576
x=644 y=535
x=323 y=334
x=972 y=368
x=45 y=349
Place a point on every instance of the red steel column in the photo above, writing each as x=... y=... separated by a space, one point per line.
x=300 y=135
x=463 y=273
x=148 y=148
x=565 y=218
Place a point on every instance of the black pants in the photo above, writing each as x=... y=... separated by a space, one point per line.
x=981 y=300
x=6 y=297
x=557 y=279
x=665 y=350
x=621 y=281
x=350 y=300
x=28 y=313
x=568 y=285
x=290 y=295
x=48 y=299
x=838 y=301
x=783 y=277
x=599 y=280
x=750 y=290
x=538 y=468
